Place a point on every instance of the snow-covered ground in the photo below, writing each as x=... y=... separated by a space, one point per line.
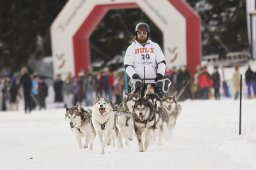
x=205 y=138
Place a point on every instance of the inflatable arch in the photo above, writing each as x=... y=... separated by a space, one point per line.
x=71 y=30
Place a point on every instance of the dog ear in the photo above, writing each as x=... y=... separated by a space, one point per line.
x=112 y=105
x=89 y=111
x=175 y=98
x=82 y=109
x=66 y=107
x=174 y=94
x=97 y=99
x=137 y=94
x=79 y=108
x=86 y=111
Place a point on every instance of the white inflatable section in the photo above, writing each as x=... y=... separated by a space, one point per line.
x=161 y=12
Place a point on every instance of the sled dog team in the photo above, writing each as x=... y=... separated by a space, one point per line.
x=149 y=118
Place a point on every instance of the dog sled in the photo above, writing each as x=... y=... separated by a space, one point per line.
x=139 y=85
x=136 y=85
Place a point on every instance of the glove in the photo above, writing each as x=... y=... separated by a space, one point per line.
x=135 y=76
x=159 y=77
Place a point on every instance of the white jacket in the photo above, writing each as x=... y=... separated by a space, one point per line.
x=149 y=56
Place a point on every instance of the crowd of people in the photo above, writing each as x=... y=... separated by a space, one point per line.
x=87 y=86
x=83 y=89
x=205 y=85
x=70 y=90
x=31 y=87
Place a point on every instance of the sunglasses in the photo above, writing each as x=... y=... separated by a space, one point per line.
x=142 y=32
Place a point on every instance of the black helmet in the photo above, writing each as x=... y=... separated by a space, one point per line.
x=142 y=26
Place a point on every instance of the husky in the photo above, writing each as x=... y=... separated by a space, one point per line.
x=155 y=100
x=80 y=123
x=172 y=108
x=103 y=120
x=149 y=90
x=130 y=100
x=124 y=123
x=146 y=121
x=157 y=103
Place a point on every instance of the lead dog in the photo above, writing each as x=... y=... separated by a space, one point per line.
x=124 y=121
x=146 y=121
x=103 y=119
x=80 y=123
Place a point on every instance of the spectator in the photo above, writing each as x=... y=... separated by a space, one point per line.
x=249 y=81
x=118 y=87
x=254 y=83
x=183 y=79
x=26 y=83
x=5 y=94
x=34 y=102
x=195 y=89
x=1 y=93
x=106 y=84
x=68 y=90
x=42 y=93
x=222 y=53
x=90 y=87
x=99 y=86
x=216 y=83
x=13 y=95
x=205 y=83
x=58 y=90
x=78 y=89
x=236 y=81
x=173 y=78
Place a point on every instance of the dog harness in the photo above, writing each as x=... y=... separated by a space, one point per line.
x=153 y=117
x=103 y=125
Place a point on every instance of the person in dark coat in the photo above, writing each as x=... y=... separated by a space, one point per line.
x=58 y=89
x=26 y=83
x=5 y=94
x=13 y=94
x=42 y=93
x=254 y=83
x=222 y=53
x=249 y=81
x=216 y=83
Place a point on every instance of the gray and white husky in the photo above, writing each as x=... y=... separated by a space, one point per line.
x=125 y=125
x=172 y=108
x=124 y=120
x=129 y=101
x=155 y=100
x=80 y=123
x=103 y=119
x=146 y=121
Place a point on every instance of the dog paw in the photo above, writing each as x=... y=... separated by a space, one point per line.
x=127 y=143
x=146 y=148
x=141 y=150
